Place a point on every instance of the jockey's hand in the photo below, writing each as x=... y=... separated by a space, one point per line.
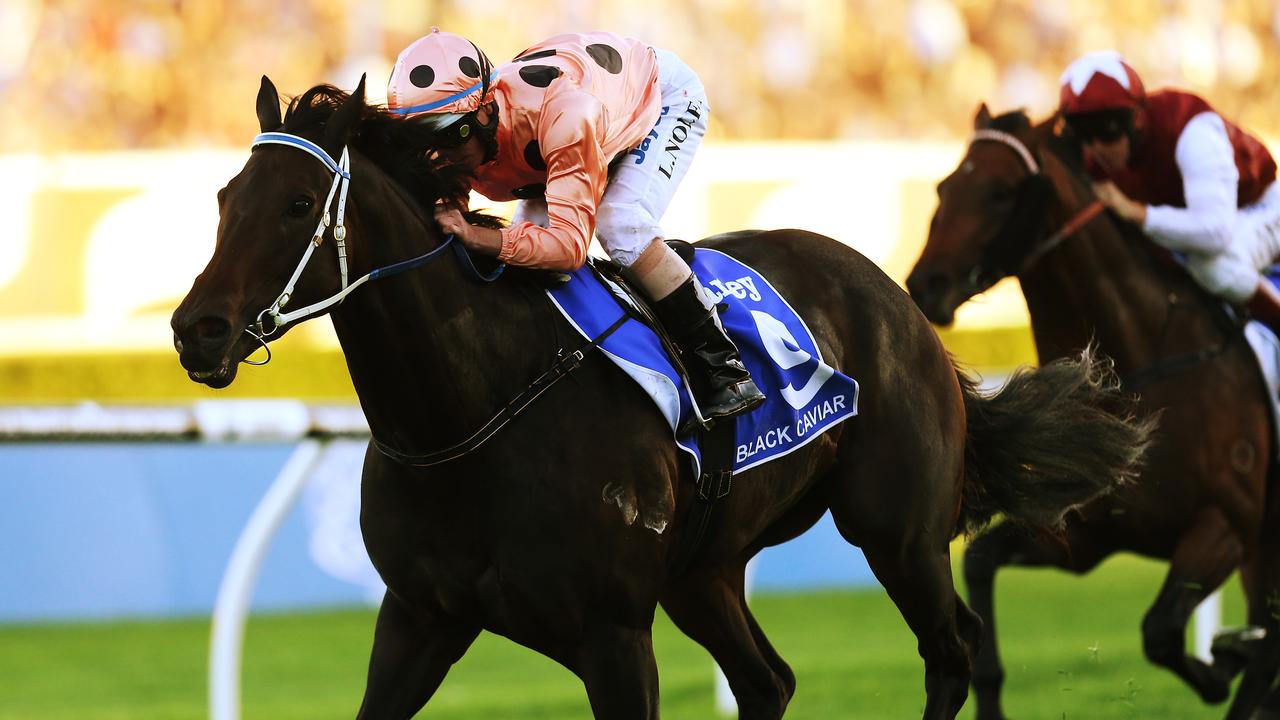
x=1119 y=203
x=480 y=239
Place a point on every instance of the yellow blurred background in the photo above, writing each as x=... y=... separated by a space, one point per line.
x=119 y=120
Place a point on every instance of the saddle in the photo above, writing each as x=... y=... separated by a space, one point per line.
x=637 y=304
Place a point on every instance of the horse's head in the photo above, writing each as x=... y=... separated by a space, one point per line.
x=269 y=213
x=991 y=211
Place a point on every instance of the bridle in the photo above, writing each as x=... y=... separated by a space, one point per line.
x=273 y=317
x=980 y=279
x=566 y=361
x=1163 y=366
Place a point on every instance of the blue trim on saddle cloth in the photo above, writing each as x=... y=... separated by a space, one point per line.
x=1272 y=273
x=806 y=396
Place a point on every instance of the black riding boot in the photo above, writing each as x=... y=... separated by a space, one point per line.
x=709 y=355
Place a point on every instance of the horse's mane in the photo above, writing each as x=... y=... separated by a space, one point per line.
x=1012 y=121
x=1065 y=147
x=395 y=145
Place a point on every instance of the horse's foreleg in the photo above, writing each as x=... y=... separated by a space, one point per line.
x=709 y=606
x=1258 y=695
x=1270 y=709
x=1203 y=558
x=617 y=667
x=1234 y=648
x=411 y=655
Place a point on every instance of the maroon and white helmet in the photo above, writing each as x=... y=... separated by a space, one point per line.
x=1100 y=81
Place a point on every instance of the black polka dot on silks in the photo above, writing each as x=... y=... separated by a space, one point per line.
x=422 y=76
x=606 y=57
x=469 y=66
x=530 y=191
x=533 y=156
x=539 y=75
x=535 y=55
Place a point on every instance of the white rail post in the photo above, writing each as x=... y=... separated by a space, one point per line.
x=1208 y=622
x=236 y=591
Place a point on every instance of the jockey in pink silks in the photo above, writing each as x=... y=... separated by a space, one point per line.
x=591 y=133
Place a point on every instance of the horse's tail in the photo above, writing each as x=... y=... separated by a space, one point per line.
x=1051 y=439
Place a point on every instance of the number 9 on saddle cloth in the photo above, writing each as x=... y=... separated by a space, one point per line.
x=806 y=396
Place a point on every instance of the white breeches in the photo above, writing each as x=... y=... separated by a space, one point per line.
x=1233 y=274
x=642 y=182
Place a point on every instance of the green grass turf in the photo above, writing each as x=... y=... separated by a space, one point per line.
x=1071 y=645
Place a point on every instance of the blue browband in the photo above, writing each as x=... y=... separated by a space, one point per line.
x=279 y=138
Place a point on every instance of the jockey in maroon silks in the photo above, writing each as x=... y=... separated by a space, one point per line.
x=1192 y=180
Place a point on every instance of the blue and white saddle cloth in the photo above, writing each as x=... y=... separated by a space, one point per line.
x=805 y=395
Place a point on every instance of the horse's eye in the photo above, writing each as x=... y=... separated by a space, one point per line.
x=1002 y=193
x=300 y=207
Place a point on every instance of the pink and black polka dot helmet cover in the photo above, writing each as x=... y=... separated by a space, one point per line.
x=438 y=73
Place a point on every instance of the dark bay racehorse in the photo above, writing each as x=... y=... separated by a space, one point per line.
x=519 y=537
x=1202 y=499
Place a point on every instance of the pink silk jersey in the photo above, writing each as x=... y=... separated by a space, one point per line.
x=568 y=107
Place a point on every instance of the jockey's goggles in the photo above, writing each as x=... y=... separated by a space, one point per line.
x=1105 y=126
x=449 y=129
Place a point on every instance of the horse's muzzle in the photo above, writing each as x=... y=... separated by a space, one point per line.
x=932 y=292
x=205 y=348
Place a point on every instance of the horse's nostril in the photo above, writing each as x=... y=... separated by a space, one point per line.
x=925 y=286
x=211 y=330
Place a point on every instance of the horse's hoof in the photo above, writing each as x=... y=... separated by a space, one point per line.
x=1215 y=693
x=1234 y=648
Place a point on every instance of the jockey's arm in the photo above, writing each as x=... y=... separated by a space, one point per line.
x=577 y=173
x=1206 y=160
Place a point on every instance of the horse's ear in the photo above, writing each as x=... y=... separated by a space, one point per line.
x=338 y=129
x=983 y=118
x=268 y=106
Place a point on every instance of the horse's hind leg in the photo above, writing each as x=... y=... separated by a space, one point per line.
x=895 y=494
x=1204 y=558
x=411 y=655
x=1012 y=544
x=917 y=577
x=617 y=667
x=909 y=554
x=709 y=606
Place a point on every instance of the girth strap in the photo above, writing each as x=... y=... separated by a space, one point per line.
x=1171 y=365
x=718 y=445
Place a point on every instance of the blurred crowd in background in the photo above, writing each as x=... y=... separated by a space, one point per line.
x=125 y=74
